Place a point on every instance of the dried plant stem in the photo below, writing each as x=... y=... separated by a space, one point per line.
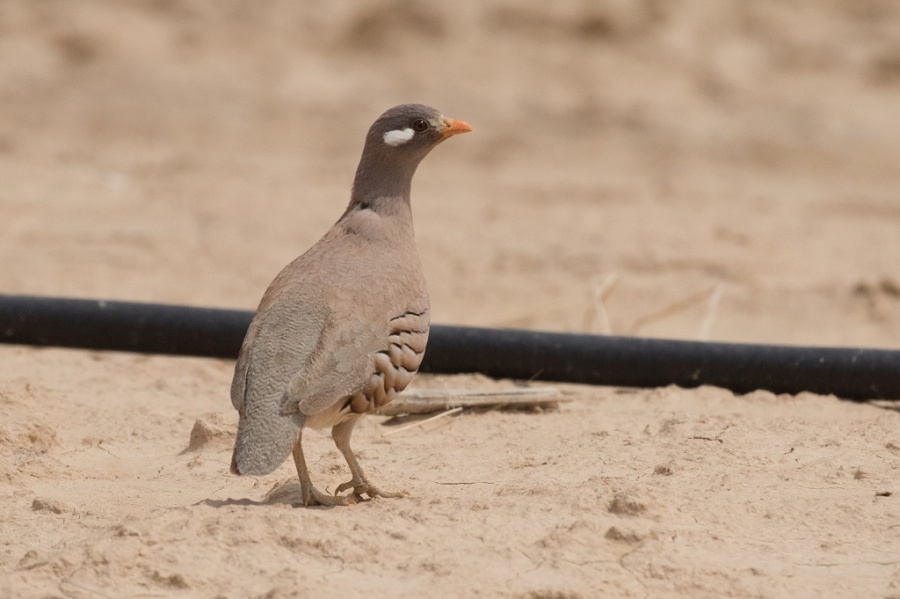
x=423 y=422
x=600 y=292
x=425 y=401
x=712 y=309
x=673 y=308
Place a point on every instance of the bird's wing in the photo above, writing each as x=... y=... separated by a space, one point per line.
x=278 y=344
x=282 y=336
x=308 y=361
x=339 y=367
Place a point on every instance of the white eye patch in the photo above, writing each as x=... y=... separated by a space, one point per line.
x=398 y=136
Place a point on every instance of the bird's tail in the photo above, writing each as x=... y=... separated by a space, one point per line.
x=265 y=438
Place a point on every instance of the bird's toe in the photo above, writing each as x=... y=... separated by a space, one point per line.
x=313 y=496
x=362 y=487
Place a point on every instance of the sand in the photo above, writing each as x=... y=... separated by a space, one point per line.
x=183 y=152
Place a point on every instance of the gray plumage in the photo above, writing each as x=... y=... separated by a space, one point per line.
x=342 y=328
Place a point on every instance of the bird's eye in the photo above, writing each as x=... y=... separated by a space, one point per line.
x=420 y=125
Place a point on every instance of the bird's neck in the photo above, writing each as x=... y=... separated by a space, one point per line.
x=377 y=184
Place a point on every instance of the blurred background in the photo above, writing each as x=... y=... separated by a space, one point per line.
x=632 y=160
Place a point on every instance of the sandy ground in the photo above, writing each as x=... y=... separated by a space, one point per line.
x=169 y=151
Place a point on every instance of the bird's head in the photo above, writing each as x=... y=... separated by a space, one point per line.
x=411 y=130
x=397 y=141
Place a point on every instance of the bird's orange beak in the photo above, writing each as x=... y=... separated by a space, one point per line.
x=455 y=127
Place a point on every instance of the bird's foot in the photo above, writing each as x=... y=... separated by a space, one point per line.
x=361 y=487
x=313 y=496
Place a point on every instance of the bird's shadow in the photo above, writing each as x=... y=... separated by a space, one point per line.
x=287 y=493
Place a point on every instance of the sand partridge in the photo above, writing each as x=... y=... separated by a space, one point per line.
x=342 y=329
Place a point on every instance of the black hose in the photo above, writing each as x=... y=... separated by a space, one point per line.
x=850 y=373
x=122 y=326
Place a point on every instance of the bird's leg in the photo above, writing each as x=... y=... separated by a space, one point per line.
x=311 y=495
x=359 y=483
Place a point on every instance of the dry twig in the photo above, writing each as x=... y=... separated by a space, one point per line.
x=425 y=401
x=712 y=294
x=423 y=422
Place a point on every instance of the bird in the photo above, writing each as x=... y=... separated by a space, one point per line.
x=342 y=329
